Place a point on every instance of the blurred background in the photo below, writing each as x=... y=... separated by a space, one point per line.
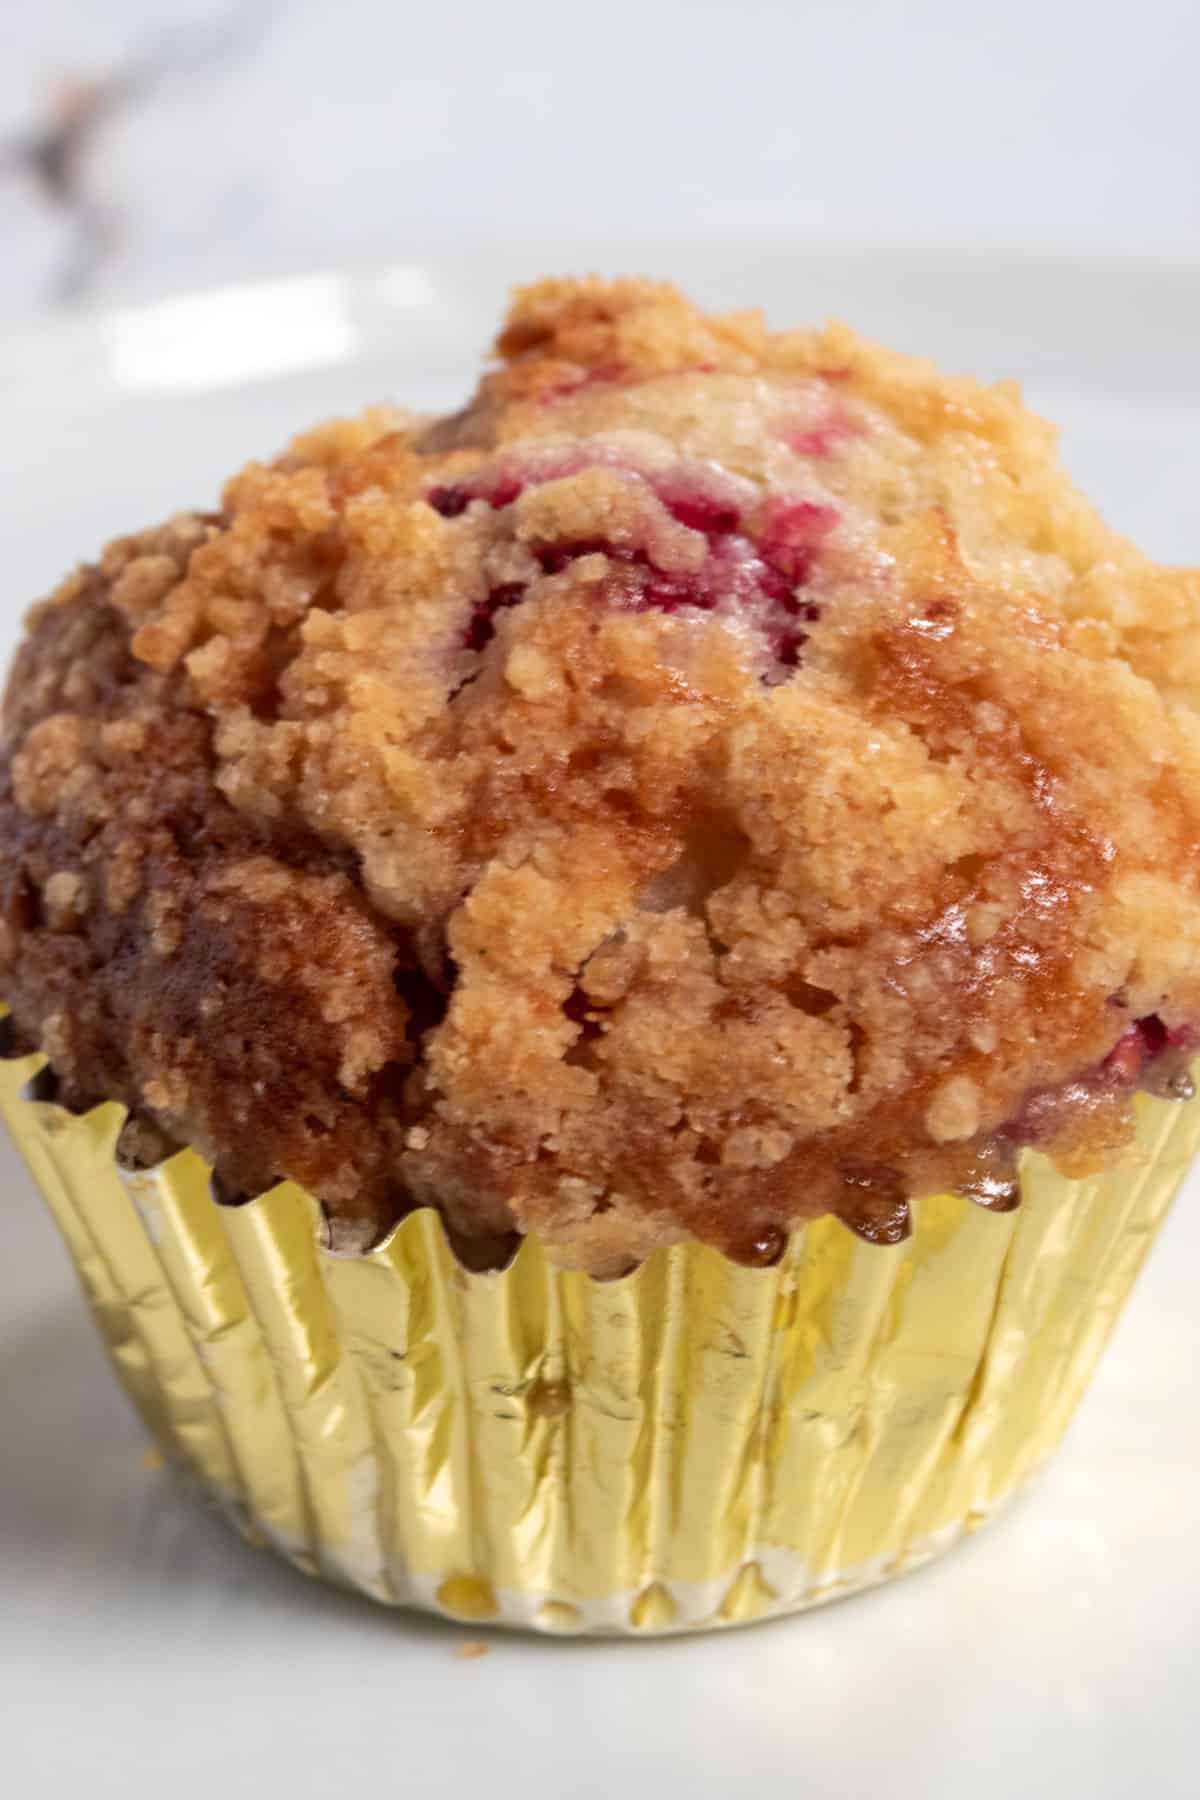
x=149 y=147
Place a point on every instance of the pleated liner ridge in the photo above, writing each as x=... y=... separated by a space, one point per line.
x=697 y=1444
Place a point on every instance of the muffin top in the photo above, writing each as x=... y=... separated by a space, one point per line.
x=718 y=777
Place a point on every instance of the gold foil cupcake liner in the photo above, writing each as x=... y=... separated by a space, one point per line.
x=697 y=1444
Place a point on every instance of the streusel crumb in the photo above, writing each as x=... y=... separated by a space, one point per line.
x=717 y=778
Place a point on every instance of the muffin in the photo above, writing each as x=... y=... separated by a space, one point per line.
x=602 y=986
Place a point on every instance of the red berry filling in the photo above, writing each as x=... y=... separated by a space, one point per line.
x=482 y=627
x=793 y=532
x=450 y=501
x=1146 y=1043
x=699 y=511
x=1134 y=1049
x=755 y=582
x=453 y=499
x=1150 y=1055
x=821 y=439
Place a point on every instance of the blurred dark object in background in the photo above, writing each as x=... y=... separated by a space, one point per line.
x=57 y=154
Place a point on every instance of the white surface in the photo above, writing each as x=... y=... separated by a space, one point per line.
x=370 y=129
x=145 y=1650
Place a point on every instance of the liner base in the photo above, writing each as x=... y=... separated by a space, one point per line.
x=696 y=1445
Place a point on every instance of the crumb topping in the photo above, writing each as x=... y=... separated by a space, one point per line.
x=716 y=778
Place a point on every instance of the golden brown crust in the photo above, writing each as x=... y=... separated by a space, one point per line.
x=716 y=778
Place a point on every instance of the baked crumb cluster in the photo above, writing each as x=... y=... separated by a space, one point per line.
x=717 y=778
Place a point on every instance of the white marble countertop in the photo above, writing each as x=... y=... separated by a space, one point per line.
x=249 y=138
